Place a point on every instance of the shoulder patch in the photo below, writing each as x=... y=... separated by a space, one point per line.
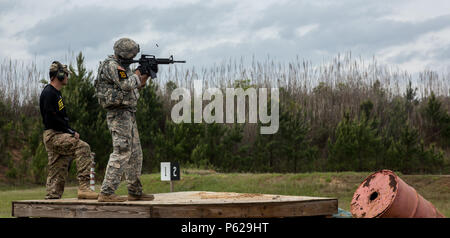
x=122 y=74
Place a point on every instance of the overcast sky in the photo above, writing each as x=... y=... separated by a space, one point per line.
x=415 y=35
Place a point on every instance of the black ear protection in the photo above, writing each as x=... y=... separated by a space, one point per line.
x=60 y=74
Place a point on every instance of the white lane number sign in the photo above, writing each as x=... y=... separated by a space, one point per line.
x=170 y=171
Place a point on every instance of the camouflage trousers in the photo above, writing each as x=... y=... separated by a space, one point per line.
x=126 y=157
x=62 y=148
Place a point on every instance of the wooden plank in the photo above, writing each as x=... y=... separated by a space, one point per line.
x=190 y=204
x=79 y=211
x=257 y=210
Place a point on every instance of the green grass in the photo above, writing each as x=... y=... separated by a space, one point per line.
x=434 y=188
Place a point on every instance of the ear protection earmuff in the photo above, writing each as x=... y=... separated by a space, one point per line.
x=60 y=74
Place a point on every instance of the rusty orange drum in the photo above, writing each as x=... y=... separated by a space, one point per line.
x=384 y=194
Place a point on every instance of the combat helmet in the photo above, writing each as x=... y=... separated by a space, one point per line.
x=126 y=48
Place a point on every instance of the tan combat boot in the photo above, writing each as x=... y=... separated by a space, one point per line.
x=84 y=192
x=143 y=197
x=110 y=198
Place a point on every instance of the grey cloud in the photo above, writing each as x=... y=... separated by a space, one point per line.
x=406 y=56
x=437 y=54
x=8 y=6
x=443 y=53
x=81 y=28
x=343 y=26
x=346 y=25
x=280 y=50
x=89 y=28
x=190 y=20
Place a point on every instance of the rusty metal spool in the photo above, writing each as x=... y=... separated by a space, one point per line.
x=384 y=194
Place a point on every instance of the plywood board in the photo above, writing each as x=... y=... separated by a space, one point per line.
x=192 y=204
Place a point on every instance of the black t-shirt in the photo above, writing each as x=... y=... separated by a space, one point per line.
x=53 y=110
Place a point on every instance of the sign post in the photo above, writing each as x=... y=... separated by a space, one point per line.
x=170 y=171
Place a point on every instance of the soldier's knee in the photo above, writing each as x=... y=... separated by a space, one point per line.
x=122 y=146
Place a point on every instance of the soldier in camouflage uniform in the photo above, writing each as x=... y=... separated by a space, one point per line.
x=117 y=91
x=61 y=141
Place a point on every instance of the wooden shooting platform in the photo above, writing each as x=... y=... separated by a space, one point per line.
x=192 y=204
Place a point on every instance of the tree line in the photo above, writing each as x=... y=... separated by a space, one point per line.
x=343 y=125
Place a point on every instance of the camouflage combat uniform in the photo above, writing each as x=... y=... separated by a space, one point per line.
x=62 y=148
x=117 y=92
x=60 y=142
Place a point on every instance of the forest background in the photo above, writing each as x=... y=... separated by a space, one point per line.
x=344 y=115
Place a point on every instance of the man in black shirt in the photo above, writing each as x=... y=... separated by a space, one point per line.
x=61 y=141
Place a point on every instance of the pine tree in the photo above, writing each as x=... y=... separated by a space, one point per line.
x=86 y=116
x=357 y=145
x=438 y=122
